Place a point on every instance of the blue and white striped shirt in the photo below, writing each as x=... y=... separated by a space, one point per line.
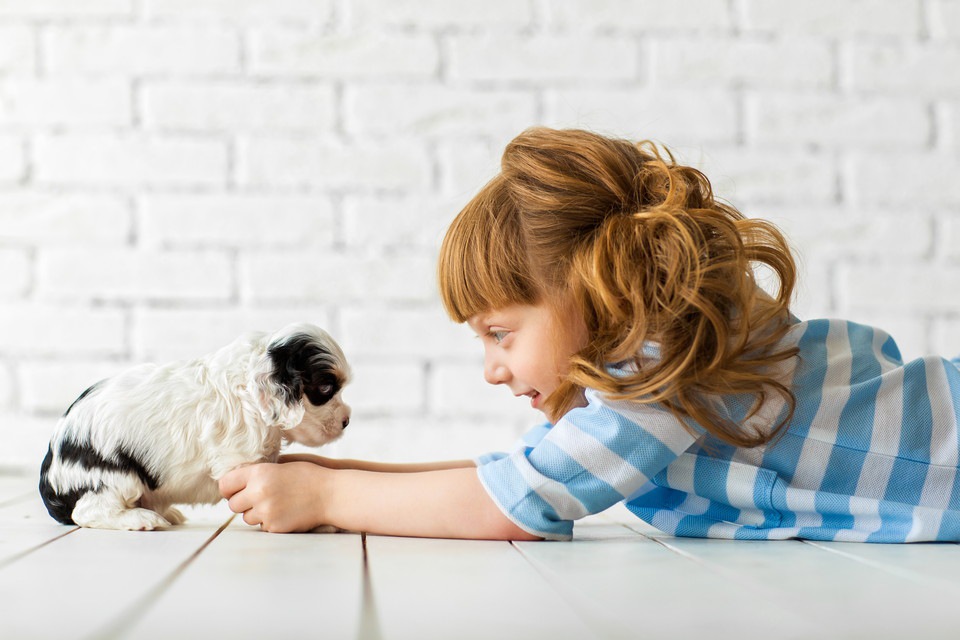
x=870 y=454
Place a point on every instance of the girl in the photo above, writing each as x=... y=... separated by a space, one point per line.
x=611 y=289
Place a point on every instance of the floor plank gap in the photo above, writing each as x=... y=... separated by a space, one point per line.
x=135 y=611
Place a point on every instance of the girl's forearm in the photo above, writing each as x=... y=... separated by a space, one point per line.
x=380 y=467
x=447 y=503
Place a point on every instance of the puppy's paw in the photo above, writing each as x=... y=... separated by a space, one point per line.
x=173 y=516
x=130 y=520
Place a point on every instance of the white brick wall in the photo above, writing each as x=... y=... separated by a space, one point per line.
x=176 y=172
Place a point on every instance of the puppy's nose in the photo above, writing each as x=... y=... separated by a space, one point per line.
x=346 y=421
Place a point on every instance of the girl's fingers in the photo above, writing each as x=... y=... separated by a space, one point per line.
x=233 y=482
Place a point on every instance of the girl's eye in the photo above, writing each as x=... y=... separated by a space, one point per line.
x=497 y=336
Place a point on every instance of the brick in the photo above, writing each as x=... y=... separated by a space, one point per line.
x=398 y=222
x=945 y=338
x=128 y=274
x=914 y=70
x=25 y=440
x=141 y=50
x=163 y=335
x=671 y=117
x=59 y=9
x=460 y=390
x=422 y=332
x=436 y=110
x=6 y=389
x=231 y=105
x=702 y=62
x=253 y=11
x=384 y=388
x=822 y=234
x=15 y=267
x=288 y=52
x=646 y=15
x=12 y=161
x=417 y=14
x=913 y=287
x=945 y=19
x=294 y=162
x=466 y=165
x=833 y=121
x=16 y=50
x=542 y=58
x=912 y=180
x=949 y=236
x=41 y=219
x=72 y=102
x=129 y=160
x=336 y=278
x=827 y=18
x=60 y=331
x=51 y=387
x=236 y=220
x=765 y=176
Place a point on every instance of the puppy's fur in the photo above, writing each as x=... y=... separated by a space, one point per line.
x=133 y=445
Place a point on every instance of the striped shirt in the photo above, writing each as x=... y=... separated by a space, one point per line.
x=870 y=454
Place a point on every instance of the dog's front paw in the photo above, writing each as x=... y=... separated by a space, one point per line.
x=174 y=517
x=130 y=520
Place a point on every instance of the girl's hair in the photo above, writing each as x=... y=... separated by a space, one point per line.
x=642 y=249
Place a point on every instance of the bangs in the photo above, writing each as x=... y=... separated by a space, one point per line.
x=482 y=264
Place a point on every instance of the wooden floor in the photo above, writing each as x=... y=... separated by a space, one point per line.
x=217 y=577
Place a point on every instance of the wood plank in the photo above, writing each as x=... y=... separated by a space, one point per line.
x=15 y=488
x=248 y=583
x=462 y=589
x=25 y=525
x=850 y=598
x=937 y=564
x=628 y=586
x=76 y=586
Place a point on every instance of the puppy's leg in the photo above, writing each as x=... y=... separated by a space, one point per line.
x=173 y=516
x=115 y=507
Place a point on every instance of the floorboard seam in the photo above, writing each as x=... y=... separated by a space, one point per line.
x=123 y=622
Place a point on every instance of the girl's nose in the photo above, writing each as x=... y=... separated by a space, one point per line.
x=494 y=372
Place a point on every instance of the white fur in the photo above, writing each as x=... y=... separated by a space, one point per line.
x=187 y=424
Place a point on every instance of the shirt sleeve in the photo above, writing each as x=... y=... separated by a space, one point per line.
x=594 y=457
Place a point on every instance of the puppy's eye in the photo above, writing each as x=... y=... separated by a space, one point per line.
x=319 y=394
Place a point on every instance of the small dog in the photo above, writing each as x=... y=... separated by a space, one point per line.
x=133 y=445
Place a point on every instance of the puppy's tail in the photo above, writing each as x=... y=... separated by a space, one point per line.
x=59 y=505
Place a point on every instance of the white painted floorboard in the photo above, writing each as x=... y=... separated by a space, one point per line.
x=619 y=578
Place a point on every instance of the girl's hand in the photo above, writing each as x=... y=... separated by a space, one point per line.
x=281 y=498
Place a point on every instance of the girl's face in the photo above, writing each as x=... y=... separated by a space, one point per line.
x=528 y=349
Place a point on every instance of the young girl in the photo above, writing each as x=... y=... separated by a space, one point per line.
x=613 y=292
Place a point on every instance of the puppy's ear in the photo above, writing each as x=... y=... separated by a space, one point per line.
x=276 y=390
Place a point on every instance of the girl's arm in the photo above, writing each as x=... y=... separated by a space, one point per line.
x=447 y=503
x=383 y=467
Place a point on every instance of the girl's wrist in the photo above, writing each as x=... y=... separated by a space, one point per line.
x=324 y=487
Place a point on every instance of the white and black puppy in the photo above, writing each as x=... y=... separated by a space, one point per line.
x=133 y=445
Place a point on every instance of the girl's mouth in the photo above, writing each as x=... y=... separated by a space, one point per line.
x=534 y=399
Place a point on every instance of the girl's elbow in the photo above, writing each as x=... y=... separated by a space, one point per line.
x=507 y=530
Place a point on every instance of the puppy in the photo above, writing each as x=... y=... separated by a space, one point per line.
x=133 y=445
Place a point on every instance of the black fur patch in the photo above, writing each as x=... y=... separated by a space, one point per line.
x=59 y=505
x=89 y=458
x=83 y=395
x=302 y=367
